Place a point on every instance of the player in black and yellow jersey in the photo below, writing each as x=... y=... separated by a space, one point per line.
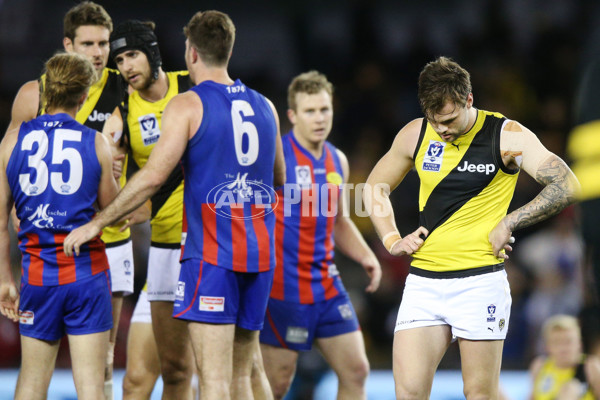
x=564 y=372
x=87 y=28
x=134 y=49
x=467 y=161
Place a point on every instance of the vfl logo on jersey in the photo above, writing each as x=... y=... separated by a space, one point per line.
x=481 y=168
x=433 y=156
x=234 y=194
x=98 y=116
x=40 y=218
x=149 y=129
x=303 y=176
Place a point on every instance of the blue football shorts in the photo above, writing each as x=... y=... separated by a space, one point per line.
x=295 y=326
x=217 y=295
x=78 y=308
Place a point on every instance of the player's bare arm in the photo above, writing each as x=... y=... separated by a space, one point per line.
x=179 y=117
x=279 y=167
x=9 y=295
x=592 y=373
x=348 y=238
x=26 y=103
x=108 y=187
x=387 y=174
x=113 y=130
x=521 y=147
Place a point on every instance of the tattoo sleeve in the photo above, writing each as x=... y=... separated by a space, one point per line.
x=560 y=189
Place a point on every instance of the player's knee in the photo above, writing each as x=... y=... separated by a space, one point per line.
x=480 y=392
x=281 y=383
x=355 y=374
x=280 y=388
x=405 y=393
x=176 y=368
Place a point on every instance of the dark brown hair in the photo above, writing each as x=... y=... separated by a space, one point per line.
x=212 y=34
x=85 y=13
x=440 y=81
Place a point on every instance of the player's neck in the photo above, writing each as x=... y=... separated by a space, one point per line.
x=216 y=74
x=60 y=110
x=314 y=148
x=157 y=90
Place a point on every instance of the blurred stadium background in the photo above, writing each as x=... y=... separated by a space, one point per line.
x=526 y=59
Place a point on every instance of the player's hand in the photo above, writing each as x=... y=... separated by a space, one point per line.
x=117 y=165
x=409 y=243
x=79 y=237
x=373 y=270
x=501 y=239
x=9 y=301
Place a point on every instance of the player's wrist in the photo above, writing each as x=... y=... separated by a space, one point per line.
x=390 y=239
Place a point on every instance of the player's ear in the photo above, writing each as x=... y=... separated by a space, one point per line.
x=291 y=116
x=67 y=44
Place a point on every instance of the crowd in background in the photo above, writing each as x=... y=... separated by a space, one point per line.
x=525 y=58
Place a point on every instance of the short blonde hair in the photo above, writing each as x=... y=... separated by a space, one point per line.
x=560 y=322
x=311 y=82
x=68 y=77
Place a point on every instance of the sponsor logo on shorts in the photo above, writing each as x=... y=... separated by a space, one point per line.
x=26 y=317
x=408 y=321
x=180 y=293
x=296 y=334
x=213 y=304
x=501 y=323
x=491 y=309
x=346 y=311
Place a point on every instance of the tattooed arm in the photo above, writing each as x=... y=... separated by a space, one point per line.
x=520 y=147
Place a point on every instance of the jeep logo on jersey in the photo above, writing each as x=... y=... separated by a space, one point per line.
x=149 y=129
x=487 y=168
x=98 y=116
x=228 y=198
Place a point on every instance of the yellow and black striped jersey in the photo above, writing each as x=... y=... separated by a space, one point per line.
x=144 y=122
x=465 y=190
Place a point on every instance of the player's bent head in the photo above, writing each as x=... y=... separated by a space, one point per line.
x=85 y=13
x=212 y=34
x=68 y=77
x=311 y=82
x=441 y=81
x=137 y=35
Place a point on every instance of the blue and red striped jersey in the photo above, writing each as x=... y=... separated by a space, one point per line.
x=228 y=192
x=54 y=174
x=304 y=239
